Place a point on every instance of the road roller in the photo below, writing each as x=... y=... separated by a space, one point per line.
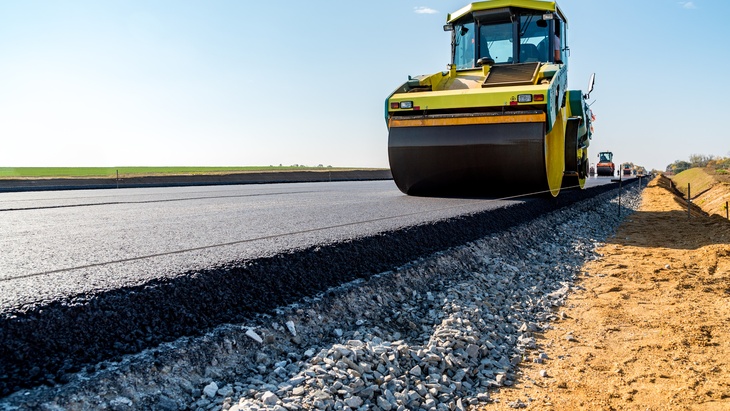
x=606 y=167
x=500 y=120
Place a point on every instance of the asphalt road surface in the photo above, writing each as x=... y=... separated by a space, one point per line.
x=60 y=243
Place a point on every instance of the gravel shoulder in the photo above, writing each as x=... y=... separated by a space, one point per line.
x=648 y=327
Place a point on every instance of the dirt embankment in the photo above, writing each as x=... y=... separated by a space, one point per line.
x=709 y=191
x=648 y=324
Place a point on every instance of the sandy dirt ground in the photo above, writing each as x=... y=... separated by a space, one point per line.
x=648 y=327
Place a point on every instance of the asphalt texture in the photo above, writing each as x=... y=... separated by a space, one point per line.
x=87 y=276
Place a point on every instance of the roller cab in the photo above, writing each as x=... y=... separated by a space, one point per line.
x=500 y=119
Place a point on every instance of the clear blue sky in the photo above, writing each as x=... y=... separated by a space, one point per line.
x=176 y=82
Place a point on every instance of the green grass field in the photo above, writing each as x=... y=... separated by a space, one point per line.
x=81 y=172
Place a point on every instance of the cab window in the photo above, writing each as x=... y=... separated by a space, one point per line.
x=534 y=39
x=495 y=42
x=464 y=52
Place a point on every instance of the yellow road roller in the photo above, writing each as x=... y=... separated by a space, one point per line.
x=501 y=119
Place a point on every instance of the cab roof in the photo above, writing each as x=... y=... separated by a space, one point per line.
x=539 y=5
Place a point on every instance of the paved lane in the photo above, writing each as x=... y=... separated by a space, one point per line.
x=58 y=243
x=62 y=243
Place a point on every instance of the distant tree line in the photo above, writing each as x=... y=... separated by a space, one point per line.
x=720 y=164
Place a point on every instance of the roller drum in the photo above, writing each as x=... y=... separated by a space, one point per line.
x=498 y=158
x=605 y=171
